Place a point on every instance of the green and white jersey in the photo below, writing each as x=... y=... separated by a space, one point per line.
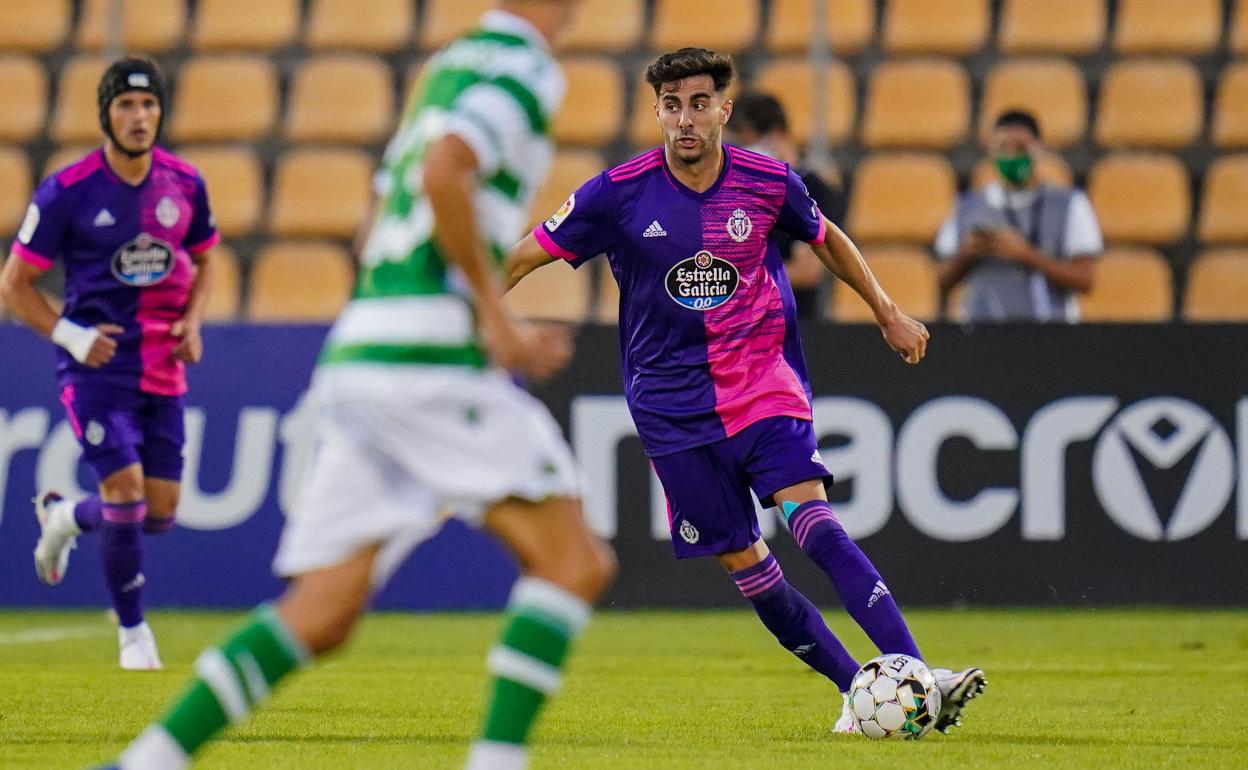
x=498 y=89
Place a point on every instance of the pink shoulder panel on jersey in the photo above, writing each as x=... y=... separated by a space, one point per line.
x=163 y=156
x=75 y=173
x=637 y=166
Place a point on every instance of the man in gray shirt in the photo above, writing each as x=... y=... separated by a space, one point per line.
x=1023 y=247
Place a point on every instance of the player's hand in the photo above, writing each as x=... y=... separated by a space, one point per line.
x=978 y=244
x=104 y=347
x=906 y=336
x=536 y=350
x=1009 y=246
x=190 y=345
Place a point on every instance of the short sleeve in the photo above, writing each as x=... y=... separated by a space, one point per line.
x=1083 y=231
x=800 y=216
x=582 y=228
x=947 y=238
x=491 y=121
x=42 y=232
x=202 y=234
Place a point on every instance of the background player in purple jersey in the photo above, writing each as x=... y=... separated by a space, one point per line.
x=712 y=363
x=131 y=224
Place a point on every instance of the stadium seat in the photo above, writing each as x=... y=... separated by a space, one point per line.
x=1224 y=202
x=555 y=292
x=1239 y=28
x=445 y=20
x=34 y=25
x=900 y=197
x=299 y=281
x=1050 y=168
x=223 y=296
x=1167 y=26
x=607 y=302
x=907 y=273
x=571 y=169
x=237 y=24
x=1217 y=284
x=850 y=26
x=591 y=109
x=1052 y=89
x=77 y=116
x=917 y=103
x=63 y=156
x=956 y=27
x=235 y=184
x=1052 y=26
x=643 y=124
x=340 y=98
x=1131 y=90
x=225 y=97
x=1230 y=110
x=606 y=26
x=15 y=189
x=321 y=192
x=24 y=94
x=792 y=82
x=381 y=26
x=1141 y=197
x=730 y=28
x=149 y=26
x=1132 y=284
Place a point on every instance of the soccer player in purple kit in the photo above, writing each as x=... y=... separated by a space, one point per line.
x=713 y=367
x=131 y=223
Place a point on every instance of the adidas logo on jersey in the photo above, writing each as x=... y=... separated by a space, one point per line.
x=877 y=593
x=655 y=230
x=104 y=219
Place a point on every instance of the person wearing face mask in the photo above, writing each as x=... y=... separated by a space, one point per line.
x=1023 y=247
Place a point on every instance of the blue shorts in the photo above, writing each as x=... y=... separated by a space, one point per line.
x=118 y=427
x=709 y=507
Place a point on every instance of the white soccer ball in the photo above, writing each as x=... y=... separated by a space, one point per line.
x=894 y=696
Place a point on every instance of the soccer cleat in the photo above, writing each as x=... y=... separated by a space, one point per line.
x=846 y=724
x=138 y=648
x=956 y=689
x=55 y=541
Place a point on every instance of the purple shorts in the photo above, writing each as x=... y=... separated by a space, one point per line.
x=708 y=487
x=117 y=427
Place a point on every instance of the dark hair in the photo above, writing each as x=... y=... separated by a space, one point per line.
x=688 y=62
x=1019 y=118
x=759 y=112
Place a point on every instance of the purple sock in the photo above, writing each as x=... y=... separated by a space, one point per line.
x=795 y=622
x=121 y=551
x=88 y=513
x=859 y=584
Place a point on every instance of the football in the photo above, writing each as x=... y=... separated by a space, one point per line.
x=894 y=696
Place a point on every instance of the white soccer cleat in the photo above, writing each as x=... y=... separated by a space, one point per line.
x=846 y=724
x=957 y=688
x=138 y=648
x=56 y=539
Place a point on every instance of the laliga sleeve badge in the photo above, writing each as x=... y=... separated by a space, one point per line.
x=29 y=225
x=553 y=223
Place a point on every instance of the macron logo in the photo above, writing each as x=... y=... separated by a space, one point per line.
x=104 y=219
x=877 y=593
x=655 y=230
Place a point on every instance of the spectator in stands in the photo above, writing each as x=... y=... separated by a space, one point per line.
x=758 y=123
x=1023 y=247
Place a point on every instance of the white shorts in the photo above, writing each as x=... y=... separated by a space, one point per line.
x=398 y=449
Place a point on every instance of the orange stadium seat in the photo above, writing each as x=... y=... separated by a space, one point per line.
x=1131 y=284
x=901 y=197
x=1142 y=197
x=1217 y=283
x=149 y=26
x=1052 y=89
x=643 y=123
x=1052 y=26
x=224 y=97
x=445 y=20
x=299 y=281
x=555 y=292
x=570 y=170
x=15 y=189
x=607 y=302
x=1167 y=26
x=850 y=25
x=917 y=103
x=1224 y=202
x=907 y=273
x=223 y=296
x=956 y=27
x=369 y=25
x=592 y=108
x=1230 y=110
x=233 y=24
x=64 y=156
x=77 y=116
x=34 y=25
x=341 y=98
x=606 y=26
x=235 y=185
x=1051 y=168
x=678 y=23
x=1239 y=28
x=321 y=192
x=1128 y=114
x=792 y=82
x=24 y=94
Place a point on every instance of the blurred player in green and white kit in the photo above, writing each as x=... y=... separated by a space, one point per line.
x=417 y=411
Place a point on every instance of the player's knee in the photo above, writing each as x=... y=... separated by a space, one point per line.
x=325 y=631
x=591 y=572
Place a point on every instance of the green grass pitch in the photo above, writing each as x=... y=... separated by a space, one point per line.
x=681 y=690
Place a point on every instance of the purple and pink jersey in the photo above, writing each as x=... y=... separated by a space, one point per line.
x=708 y=328
x=126 y=251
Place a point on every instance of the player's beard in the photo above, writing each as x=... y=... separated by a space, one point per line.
x=698 y=153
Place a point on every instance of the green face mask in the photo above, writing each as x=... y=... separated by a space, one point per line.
x=1015 y=169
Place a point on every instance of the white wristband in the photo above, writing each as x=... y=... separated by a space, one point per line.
x=77 y=340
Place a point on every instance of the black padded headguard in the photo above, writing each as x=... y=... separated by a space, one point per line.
x=132 y=73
